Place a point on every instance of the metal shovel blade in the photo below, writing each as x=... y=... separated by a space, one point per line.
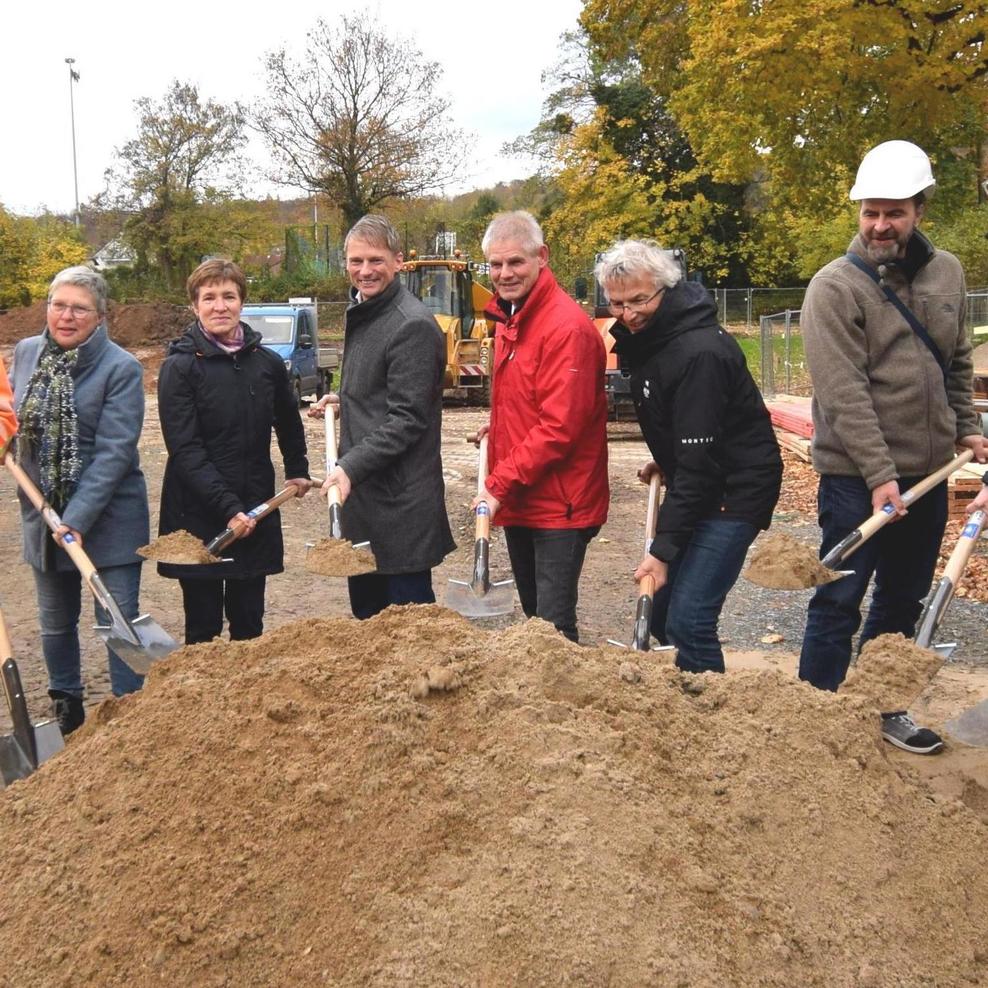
x=147 y=643
x=463 y=598
x=971 y=727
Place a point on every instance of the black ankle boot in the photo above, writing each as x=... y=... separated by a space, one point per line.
x=68 y=711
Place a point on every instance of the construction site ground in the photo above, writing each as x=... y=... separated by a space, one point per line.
x=399 y=936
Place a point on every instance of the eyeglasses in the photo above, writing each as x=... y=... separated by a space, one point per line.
x=78 y=311
x=59 y=308
x=635 y=305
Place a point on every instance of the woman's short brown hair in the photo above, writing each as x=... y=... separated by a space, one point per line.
x=212 y=272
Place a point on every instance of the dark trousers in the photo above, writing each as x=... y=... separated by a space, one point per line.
x=546 y=564
x=205 y=602
x=686 y=611
x=902 y=557
x=370 y=593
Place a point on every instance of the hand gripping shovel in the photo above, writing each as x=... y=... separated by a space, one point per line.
x=216 y=545
x=139 y=642
x=881 y=518
x=940 y=599
x=30 y=744
x=478 y=597
x=642 y=636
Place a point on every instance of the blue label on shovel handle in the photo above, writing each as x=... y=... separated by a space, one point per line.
x=970 y=530
x=483 y=508
x=254 y=512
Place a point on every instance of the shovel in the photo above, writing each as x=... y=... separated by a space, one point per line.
x=478 y=597
x=940 y=599
x=216 y=545
x=882 y=517
x=642 y=636
x=30 y=744
x=139 y=642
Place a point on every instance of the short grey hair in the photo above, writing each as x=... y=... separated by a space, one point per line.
x=518 y=225
x=629 y=259
x=376 y=230
x=82 y=277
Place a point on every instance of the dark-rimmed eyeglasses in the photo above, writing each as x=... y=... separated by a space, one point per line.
x=635 y=305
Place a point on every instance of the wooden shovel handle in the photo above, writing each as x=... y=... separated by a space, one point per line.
x=332 y=454
x=969 y=536
x=482 y=528
x=5 y=649
x=266 y=507
x=882 y=517
x=76 y=553
x=652 y=511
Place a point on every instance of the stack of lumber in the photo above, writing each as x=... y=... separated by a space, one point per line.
x=792 y=414
x=962 y=488
x=794 y=443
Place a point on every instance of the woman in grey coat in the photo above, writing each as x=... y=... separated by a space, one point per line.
x=80 y=401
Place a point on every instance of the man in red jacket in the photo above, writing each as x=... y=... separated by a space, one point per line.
x=547 y=480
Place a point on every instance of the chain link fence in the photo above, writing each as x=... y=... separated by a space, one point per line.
x=777 y=360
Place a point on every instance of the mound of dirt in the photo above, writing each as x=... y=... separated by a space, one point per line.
x=412 y=801
x=180 y=547
x=891 y=672
x=130 y=324
x=781 y=562
x=337 y=557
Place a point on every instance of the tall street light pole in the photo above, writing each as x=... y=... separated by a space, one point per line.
x=73 y=77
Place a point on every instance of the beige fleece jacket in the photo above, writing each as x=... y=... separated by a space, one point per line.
x=880 y=409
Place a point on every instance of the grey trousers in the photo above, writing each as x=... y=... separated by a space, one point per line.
x=546 y=563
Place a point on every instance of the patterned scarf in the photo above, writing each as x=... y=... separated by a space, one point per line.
x=50 y=426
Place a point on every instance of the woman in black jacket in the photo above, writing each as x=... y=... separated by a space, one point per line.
x=220 y=393
x=710 y=435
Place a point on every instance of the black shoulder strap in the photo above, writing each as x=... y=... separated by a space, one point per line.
x=917 y=327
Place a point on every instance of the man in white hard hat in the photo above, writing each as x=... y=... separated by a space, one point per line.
x=890 y=360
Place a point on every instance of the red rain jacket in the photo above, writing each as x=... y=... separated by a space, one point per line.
x=547 y=451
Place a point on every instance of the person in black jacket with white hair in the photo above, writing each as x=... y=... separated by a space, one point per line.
x=220 y=394
x=710 y=435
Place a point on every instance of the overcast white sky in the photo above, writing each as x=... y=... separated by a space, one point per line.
x=493 y=55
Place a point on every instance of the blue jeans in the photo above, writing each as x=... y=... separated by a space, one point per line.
x=370 y=593
x=685 y=612
x=902 y=557
x=59 y=608
x=546 y=564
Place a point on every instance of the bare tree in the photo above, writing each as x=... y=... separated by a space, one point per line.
x=358 y=118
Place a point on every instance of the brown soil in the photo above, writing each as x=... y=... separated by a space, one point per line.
x=338 y=557
x=179 y=547
x=891 y=672
x=780 y=562
x=297 y=810
x=130 y=325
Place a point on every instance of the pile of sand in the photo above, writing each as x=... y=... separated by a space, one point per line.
x=338 y=557
x=180 y=547
x=411 y=801
x=780 y=562
x=891 y=672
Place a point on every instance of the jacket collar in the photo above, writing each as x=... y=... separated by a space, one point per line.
x=362 y=311
x=919 y=253
x=90 y=351
x=500 y=311
x=196 y=340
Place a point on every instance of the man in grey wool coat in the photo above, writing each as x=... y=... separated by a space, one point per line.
x=389 y=472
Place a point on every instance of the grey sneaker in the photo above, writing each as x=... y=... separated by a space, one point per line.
x=901 y=730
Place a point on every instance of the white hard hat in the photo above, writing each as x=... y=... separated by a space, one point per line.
x=893 y=170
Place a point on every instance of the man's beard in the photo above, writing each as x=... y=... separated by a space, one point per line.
x=883 y=251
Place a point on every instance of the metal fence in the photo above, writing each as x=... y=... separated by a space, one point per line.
x=778 y=363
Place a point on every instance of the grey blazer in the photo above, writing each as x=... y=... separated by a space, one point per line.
x=110 y=505
x=391 y=419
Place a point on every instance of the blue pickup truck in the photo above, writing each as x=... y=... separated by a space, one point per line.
x=290 y=329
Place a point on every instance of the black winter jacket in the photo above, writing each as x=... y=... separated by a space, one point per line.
x=702 y=417
x=217 y=411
